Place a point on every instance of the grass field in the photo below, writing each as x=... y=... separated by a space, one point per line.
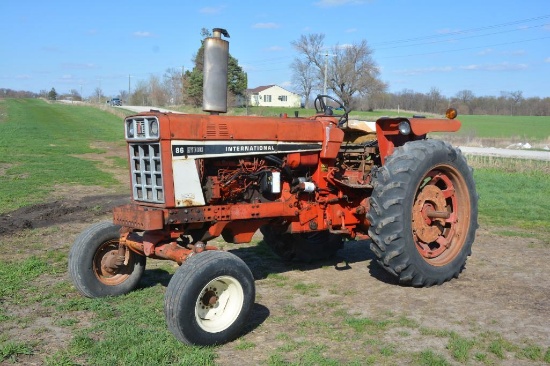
x=41 y=147
x=528 y=128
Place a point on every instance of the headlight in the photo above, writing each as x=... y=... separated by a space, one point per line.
x=404 y=128
x=154 y=128
x=130 y=129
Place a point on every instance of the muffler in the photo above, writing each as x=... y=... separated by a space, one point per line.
x=214 y=87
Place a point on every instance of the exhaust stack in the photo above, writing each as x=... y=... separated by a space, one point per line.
x=214 y=87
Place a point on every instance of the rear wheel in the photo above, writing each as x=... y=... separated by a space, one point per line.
x=305 y=247
x=209 y=298
x=95 y=267
x=423 y=213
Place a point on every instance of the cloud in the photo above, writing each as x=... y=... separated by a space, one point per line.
x=211 y=9
x=351 y=30
x=285 y=84
x=547 y=59
x=503 y=66
x=344 y=46
x=266 y=25
x=334 y=3
x=425 y=70
x=142 y=34
x=447 y=31
x=23 y=77
x=514 y=53
x=78 y=66
x=485 y=52
x=274 y=48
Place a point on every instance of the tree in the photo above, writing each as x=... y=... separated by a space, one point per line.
x=303 y=78
x=467 y=98
x=173 y=84
x=237 y=80
x=434 y=100
x=52 y=95
x=351 y=70
x=75 y=95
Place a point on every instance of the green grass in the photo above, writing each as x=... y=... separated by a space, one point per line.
x=513 y=199
x=530 y=127
x=40 y=144
x=39 y=148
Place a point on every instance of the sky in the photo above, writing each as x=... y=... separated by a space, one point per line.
x=485 y=46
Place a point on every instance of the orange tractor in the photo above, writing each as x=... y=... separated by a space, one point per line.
x=307 y=184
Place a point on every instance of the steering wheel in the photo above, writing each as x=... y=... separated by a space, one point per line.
x=321 y=107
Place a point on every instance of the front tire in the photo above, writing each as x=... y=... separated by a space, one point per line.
x=423 y=213
x=209 y=298
x=89 y=255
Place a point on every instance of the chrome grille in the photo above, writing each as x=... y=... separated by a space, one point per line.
x=146 y=170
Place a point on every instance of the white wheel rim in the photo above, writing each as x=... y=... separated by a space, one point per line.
x=219 y=304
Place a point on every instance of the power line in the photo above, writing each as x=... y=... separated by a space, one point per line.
x=466 y=48
x=461 y=38
x=463 y=31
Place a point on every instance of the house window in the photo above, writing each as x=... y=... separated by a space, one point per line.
x=267 y=98
x=282 y=98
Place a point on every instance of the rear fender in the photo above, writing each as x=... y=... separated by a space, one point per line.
x=389 y=137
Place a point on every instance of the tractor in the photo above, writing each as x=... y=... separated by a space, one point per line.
x=308 y=184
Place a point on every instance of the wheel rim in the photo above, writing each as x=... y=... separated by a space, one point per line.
x=219 y=304
x=103 y=267
x=441 y=215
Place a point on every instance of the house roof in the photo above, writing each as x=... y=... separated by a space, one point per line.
x=259 y=89
x=262 y=88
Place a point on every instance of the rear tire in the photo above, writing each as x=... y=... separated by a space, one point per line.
x=306 y=247
x=423 y=213
x=87 y=259
x=209 y=298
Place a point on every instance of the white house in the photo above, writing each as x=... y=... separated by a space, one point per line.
x=273 y=96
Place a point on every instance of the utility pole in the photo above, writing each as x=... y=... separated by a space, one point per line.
x=182 y=83
x=326 y=71
x=99 y=92
x=129 y=89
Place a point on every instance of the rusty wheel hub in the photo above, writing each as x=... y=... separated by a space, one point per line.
x=436 y=228
x=109 y=266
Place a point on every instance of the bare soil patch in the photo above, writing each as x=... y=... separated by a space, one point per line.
x=503 y=290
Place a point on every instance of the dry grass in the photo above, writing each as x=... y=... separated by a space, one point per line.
x=508 y=164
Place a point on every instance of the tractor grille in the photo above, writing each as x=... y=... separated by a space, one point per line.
x=146 y=170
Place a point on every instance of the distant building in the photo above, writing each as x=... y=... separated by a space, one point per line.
x=273 y=96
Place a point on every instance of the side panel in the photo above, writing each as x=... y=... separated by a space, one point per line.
x=187 y=185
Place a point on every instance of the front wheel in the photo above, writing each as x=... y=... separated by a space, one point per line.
x=209 y=298
x=94 y=266
x=423 y=213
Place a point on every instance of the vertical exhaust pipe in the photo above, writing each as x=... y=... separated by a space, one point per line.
x=214 y=87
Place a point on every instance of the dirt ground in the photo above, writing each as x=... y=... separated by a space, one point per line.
x=504 y=288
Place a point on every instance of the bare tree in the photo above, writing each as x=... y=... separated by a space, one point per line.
x=303 y=78
x=173 y=83
x=435 y=99
x=467 y=98
x=157 y=91
x=351 y=70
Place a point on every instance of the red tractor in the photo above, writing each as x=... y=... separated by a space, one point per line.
x=307 y=183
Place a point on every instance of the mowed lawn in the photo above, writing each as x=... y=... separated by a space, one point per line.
x=40 y=144
x=535 y=128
